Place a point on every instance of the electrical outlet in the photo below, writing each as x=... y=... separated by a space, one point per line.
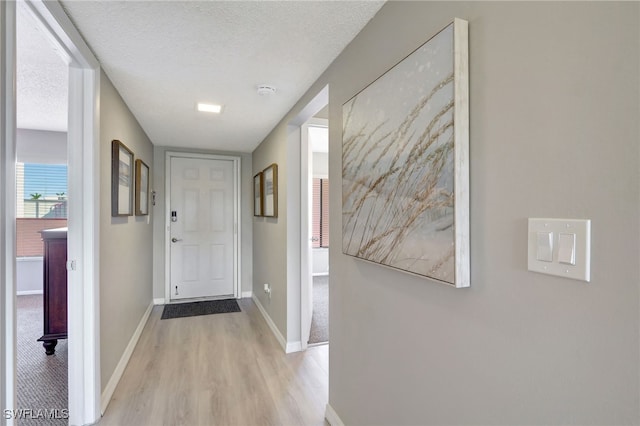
x=267 y=289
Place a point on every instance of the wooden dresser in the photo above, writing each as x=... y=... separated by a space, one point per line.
x=55 y=288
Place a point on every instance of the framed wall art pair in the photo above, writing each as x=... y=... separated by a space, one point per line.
x=129 y=186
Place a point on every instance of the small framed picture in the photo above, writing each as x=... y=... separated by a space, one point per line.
x=270 y=191
x=257 y=194
x=121 y=179
x=142 y=188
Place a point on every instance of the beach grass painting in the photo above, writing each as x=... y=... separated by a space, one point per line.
x=405 y=175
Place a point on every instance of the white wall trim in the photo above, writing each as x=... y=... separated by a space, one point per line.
x=279 y=337
x=124 y=360
x=247 y=294
x=28 y=292
x=299 y=264
x=287 y=346
x=159 y=301
x=293 y=347
x=7 y=208
x=332 y=417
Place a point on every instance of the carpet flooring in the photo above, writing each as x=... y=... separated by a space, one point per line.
x=193 y=309
x=41 y=379
x=320 y=319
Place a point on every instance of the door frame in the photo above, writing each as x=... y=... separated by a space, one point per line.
x=306 y=247
x=237 y=260
x=297 y=238
x=83 y=154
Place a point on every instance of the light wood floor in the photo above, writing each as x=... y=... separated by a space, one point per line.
x=224 y=369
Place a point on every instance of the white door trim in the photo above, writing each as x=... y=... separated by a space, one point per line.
x=83 y=236
x=237 y=261
x=306 y=256
x=297 y=238
x=7 y=207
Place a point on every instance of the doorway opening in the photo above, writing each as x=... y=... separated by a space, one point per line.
x=300 y=181
x=83 y=228
x=42 y=82
x=317 y=134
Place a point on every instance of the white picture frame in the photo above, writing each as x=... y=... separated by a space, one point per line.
x=405 y=153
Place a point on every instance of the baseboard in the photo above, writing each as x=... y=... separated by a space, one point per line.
x=28 y=292
x=158 y=301
x=247 y=294
x=270 y=323
x=124 y=360
x=288 y=347
x=293 y=347
x=332 y=417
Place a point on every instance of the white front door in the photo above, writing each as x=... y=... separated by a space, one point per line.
x=202 y=227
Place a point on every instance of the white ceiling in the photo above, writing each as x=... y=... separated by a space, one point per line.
x=41 y=78
x=165 y=56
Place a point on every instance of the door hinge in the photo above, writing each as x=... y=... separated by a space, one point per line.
x=71 y=265
x=177 y=291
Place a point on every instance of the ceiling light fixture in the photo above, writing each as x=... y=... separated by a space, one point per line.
x=209 y=108
x=266 y=90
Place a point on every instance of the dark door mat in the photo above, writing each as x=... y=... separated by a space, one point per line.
x=192 y=309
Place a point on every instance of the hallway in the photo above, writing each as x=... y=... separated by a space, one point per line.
x=219 y=369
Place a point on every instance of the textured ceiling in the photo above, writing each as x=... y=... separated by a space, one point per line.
x=164 y=57
x=42 y=78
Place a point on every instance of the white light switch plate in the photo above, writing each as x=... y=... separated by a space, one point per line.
x=581 y=270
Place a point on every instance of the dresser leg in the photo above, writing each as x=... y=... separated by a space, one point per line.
x=50 y=346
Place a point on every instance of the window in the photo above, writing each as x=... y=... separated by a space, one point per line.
x=320 y=213
x=41 y=204
x=42 y=190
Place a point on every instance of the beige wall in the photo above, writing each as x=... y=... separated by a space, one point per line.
x=125 y=242
x=246 y=206
x=270 y=234
x=554 y=92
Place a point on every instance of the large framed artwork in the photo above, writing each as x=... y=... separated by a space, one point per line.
x=121 y=179
x=405 y=163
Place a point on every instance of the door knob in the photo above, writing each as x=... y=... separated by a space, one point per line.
x=175 y=240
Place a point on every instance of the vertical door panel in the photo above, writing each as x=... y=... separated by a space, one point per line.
x=202 y=247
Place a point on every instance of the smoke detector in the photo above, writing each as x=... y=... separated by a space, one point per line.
x=266 y=90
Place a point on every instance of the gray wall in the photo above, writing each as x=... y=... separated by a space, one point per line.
x=554 y=133
x=246 y=206
x=41 y=146
x=125 y=242
x=270 y=234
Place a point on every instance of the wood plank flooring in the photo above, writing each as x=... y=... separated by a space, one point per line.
x=223 y=369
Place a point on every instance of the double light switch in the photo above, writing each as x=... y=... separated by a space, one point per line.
x=560 y=247
x=566 y=247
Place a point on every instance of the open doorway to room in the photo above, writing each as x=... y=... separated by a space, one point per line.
x=42 y=82
x=318 y=141
x=82 y=268
x=314 y=114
